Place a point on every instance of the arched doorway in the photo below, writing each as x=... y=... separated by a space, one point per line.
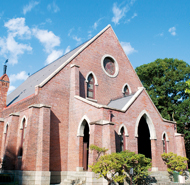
x=85 y=145
x=144 y=143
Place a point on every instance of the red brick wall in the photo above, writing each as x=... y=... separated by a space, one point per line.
x=20 y=106
x=129 y=119
x=62 y=122
x=10 y=154
x=1 y=136
x=180 y=146
x=90 y=60
x=56 y=94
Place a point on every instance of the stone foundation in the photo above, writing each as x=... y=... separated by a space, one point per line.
x=81 y=178
x=33 y=177
x=69 y=177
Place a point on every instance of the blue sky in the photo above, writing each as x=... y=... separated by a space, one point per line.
x=35 y=33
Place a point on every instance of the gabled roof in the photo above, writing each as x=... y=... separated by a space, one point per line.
x=120 y=102
x=41 y=77
x=127 y=102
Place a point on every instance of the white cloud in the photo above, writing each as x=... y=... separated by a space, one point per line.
x=119 y=12
x=128 y=48
x=28 y=8
x=95 y=25
x=134 y=15
x=53 y=56
x=132 y=2
x=47 y=38
x=49 y=41
x=15 y=49
x=19 y=76
x=17 y=27
x=15 y=77
x=74 y=37
x=89 y=34
x=11 y=88
x=70 y=31
x=78 y=39
x=9 y=48
x=160 y=34
x=53 y=7
x=67 y=49
x=172 y=30
x=48 y=20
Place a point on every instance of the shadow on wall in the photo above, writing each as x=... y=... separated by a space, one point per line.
x=117 y=142
x=9 y=159
x=55 y=154
x=82 y=85
x=10 y=163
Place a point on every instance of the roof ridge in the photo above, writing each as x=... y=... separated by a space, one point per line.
x=73 y=56
x=43 y=75
x=59 y=57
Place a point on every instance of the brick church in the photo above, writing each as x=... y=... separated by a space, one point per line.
x=91 y=95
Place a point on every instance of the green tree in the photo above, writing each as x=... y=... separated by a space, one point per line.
x=139 y=163
x=115 y=167
x=110 y=167
x=166 y=81
x=99 y=150
x=188 y=88
x=175 y=162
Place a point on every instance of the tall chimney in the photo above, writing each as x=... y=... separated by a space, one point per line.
x=4 y=86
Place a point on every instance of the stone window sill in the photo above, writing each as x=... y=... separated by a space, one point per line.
x=90 y=99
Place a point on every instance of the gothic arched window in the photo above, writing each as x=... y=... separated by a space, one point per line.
x=6 y=133
x=122 y=140
x=126 y=91
x=20 y=153
x=90 y=87
x=164 y=144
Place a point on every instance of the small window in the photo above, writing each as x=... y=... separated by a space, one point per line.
x=20 y=152
x=126 y=91
x=90 y=86
x=110 y=66
x=122 y=140
x=6 y=133
x=164 y=144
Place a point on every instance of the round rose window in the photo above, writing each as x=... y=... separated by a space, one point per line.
x=109 y=65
